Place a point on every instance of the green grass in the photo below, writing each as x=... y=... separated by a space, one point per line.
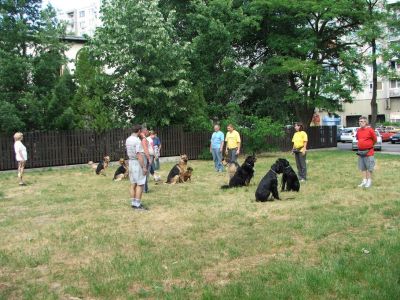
x=70 y=233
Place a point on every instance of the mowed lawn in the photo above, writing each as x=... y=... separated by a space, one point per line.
x=70 y=234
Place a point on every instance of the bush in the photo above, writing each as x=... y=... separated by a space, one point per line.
x=205 y=154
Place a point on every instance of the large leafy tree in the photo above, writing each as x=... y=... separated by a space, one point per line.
x=309 y=43
x=147 y=63
x=31 y=55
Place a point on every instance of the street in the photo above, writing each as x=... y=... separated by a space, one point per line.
x=387 y=147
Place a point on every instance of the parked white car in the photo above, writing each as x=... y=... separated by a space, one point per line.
x=348 y=134
x=377 y=146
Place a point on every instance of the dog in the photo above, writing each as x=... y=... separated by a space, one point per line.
x=243 y=174
x=269 y=184
x=231 y=167
x=177 y=172
x=122 y=172
x=187 y=176
x=290 y=181
x=101 y=166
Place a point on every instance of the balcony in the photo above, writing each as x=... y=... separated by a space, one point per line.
x=394 y=93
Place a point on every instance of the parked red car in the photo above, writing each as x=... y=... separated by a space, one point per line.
x=386 y=135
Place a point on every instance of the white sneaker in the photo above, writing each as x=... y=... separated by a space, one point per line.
x=368 y=184
x=363 y=183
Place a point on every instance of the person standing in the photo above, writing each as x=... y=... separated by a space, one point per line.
x=21 y=155
x=144 y=133
x=216 y=148
x=137 y=167
x=233 y=141
x=300 y=140
x=366 y=139
x=157 y=150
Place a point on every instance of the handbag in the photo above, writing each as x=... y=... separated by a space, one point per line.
x=362 y=153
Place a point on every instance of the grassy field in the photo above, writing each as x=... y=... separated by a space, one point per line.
x=70 y=234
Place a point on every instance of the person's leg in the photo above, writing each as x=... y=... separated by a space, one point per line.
x=232 y=155
x=157 y=164
x=303 y=166
x=362 y=167
x=138 y=193
x=370 y=168
x=215 y=158
x=220 y=167
x=298 y=165
x=21 y=168
x=146 y=163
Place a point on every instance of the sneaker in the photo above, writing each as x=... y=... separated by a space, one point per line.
x=302 y=180
x=363 y=183
x=22 y=184
x=140 y=207
x=368 y=184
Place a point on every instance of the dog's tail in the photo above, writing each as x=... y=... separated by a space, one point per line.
x=224 y=187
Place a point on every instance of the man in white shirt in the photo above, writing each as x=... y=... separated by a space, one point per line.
x=137 y=168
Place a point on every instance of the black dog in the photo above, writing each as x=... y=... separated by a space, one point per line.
x=290 y=181
x=243 y=174
x=269 y=184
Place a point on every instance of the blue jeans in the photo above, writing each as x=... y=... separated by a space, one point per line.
x=217 y=157
x=232 y=156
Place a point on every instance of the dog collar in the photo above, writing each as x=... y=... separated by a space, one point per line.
x=274 y=172
x=287 y=167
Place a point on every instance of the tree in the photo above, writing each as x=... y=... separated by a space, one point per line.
x=31 y=55
x=308 y=43
x=90 y=100
x=149 y=65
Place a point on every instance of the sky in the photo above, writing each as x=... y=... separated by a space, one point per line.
x=68 y=4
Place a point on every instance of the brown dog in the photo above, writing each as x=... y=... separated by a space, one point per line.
x=187 y=176
x=101 y=166
x=176 y=175
x=122 y=172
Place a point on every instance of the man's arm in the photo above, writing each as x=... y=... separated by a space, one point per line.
x=146 y=148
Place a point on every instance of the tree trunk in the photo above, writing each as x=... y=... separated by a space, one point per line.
x=374 y=106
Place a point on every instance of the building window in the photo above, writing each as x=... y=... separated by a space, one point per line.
x=82 y=25
x=378 y=86
x=394 y=84
x=82 y=14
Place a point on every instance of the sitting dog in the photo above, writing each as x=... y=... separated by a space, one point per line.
x=177 y=171
x=290 y=181
x=187 y=176
x=122 y=171
x=101 y=166
x=230 y=166
x=269 y=184
x=243 y=174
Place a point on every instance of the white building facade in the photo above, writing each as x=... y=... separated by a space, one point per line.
x=82 y=20
x=388 y=91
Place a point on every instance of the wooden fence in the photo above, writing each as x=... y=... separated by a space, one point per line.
x=54 y=148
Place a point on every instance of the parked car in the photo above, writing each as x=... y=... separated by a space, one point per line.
x=385 y=134
x=377 y=146
x=395 y=138
x=338 y=134
x=348 y=134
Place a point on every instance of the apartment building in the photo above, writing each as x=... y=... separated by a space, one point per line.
x=82 y=20
x=388 y=91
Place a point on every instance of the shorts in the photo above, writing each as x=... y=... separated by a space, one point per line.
x=366 y=163
x=136 y=175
